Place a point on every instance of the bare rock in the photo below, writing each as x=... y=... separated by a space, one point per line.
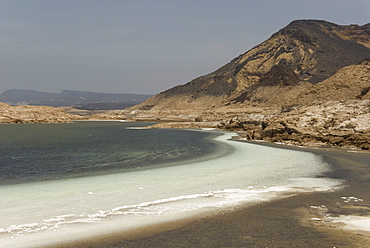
x=337 y=123
x=34 y=114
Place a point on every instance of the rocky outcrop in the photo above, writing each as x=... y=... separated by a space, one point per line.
x=34 y=114
x=334 y=123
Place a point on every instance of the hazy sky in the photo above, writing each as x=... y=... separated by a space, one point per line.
x=141 y=46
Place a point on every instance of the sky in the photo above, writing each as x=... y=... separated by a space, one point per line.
x=141 y=46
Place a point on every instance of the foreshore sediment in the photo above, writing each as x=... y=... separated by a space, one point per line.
x=303 y=220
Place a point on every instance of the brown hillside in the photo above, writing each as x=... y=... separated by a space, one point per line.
x=349 y=83
x=314 y=50
x=278 y=87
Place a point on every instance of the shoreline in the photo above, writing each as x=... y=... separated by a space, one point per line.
x=303 y=220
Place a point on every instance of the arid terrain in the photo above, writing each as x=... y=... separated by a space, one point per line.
x=34 y=114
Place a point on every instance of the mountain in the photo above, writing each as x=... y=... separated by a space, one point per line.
x=79 y=99
x=305 y=51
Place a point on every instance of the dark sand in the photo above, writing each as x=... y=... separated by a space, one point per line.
x=282 y=223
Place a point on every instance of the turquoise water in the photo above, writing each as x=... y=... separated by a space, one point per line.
x=95 y=178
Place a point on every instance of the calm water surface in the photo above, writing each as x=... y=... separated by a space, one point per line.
x=34 y=152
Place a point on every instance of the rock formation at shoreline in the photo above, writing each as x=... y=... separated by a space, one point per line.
x=334 y=112
x=334 y=123
x=34 y=114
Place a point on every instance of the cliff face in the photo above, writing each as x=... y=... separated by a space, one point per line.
x=312 y=50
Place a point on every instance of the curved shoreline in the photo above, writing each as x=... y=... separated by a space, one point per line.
x=245 y=176
x=289 y=222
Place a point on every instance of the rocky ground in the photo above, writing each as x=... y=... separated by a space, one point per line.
x=334 y=123
x=34 y=114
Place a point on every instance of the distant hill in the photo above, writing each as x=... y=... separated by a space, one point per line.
x=78 y=99
x=305 y=51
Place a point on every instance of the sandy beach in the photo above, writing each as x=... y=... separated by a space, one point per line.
x=304 y=220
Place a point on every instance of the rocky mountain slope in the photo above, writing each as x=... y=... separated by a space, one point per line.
x=34 y=114
x=312 y=50
x=279 y=87
x=334 y=112
x=349 y=83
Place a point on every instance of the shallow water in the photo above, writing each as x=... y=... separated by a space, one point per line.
x=214 y=173
x=36 y=152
